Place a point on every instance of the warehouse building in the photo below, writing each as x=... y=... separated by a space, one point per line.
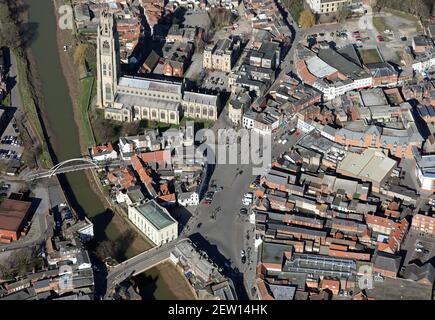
x=14 y=215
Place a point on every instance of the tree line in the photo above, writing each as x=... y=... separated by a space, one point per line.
x=14 y=32
x=420 y=8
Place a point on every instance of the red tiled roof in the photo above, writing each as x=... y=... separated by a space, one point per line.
x=102 y=149
x=161 y=157
x=138 y=167
x=304 y=73
x=380 y=221
x=123 y=176
x=168 y=197
x=12 y=214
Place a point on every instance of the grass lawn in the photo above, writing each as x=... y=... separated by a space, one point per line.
x=405 y=16
x=87 y=89
x=370 y=56
x=198 y=123
x=381 y=24
x=7 y=100
x=29 y=107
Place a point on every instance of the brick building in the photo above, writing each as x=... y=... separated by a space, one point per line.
x=14 y=215
x=424 y=223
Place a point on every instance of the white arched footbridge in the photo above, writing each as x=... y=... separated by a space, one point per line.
x=72 y=165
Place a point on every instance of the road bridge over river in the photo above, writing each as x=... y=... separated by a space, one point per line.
x=139 y=264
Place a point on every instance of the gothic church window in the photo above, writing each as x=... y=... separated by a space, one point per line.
x=106 y=47
x=108 y=92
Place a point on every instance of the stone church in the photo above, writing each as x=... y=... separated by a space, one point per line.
x=128 y=98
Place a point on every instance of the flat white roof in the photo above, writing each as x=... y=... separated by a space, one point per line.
x=318 y=67
x=371 y=165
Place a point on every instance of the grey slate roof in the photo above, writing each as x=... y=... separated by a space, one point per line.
x=283 y=227
x=416 y=272
x=387 y=261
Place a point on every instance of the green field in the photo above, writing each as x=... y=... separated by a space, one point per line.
x=87 y=90
x=30 y=109
x=405 y=16
x=381 y=24
x=370 y=56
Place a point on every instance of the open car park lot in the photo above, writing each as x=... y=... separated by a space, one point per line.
x=391 y=32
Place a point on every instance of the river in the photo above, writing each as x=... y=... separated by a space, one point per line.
x=64 y=133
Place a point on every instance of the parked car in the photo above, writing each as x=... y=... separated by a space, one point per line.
x=243 y=211
x=419 y=245
x=253 y=185
x=206 y=202
x=247 y=202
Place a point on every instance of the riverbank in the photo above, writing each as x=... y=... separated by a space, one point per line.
x=81 y=96
x=27 y=83
x=61 y=127
x=164 y=274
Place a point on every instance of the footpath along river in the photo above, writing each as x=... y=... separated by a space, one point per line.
x=64 y=133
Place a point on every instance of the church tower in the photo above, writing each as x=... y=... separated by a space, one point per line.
x=108 y=62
